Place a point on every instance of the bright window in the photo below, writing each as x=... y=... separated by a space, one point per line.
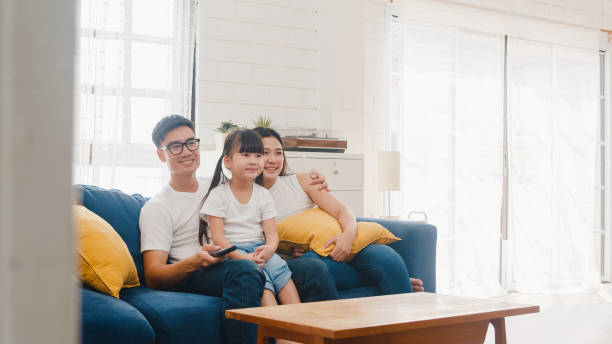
x=447 y=118
x=135 y=66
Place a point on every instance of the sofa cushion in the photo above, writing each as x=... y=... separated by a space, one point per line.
x=121 y=211
x=104 y=260
x=106 y=319
x=312 y=228
x=178 y=317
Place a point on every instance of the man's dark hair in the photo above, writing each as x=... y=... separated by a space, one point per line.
x=166 y=124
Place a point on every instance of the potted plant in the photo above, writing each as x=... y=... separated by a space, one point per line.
x=224 y=128
x=263 y=121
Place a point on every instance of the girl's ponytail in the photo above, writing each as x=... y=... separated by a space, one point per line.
x=217 y=179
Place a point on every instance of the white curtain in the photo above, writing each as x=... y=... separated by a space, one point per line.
x=446 y=120
x=135 y=66
x=553 y=113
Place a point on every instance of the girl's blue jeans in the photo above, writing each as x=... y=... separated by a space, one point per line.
x=276 y=270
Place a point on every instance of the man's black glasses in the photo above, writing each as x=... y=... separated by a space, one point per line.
x=176 y=148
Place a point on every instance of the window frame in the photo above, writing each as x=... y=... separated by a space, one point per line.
x=605 y=174
x=126 y=90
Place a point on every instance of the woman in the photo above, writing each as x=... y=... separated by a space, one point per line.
x=294 y=193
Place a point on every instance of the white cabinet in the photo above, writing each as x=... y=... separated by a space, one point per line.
x=344 y=174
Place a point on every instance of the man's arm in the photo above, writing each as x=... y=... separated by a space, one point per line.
x=160 y=275
x=155 y=236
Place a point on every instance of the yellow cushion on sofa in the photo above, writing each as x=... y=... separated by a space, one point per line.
x=104 y=260
x=312 y=228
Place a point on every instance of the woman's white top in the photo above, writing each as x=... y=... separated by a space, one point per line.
x=289 y=197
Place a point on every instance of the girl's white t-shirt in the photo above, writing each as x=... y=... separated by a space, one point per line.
x=242 y=222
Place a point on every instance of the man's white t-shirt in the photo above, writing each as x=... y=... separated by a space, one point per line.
x=242 y=222
x=169 y=222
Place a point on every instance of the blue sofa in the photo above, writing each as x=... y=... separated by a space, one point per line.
x=144 y=315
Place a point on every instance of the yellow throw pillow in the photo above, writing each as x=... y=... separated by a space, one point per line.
x=312 y=228
x=104 y=260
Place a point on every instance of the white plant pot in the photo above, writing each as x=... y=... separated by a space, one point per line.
x=220 y=140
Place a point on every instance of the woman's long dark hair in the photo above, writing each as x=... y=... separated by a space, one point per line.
x=269 y=132
x=240 y=141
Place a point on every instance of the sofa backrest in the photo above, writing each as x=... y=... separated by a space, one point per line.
x=121 y=211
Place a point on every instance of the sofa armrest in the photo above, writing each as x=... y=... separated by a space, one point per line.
x=417 y=248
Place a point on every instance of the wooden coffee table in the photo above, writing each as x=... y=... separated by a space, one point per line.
x=402 y=318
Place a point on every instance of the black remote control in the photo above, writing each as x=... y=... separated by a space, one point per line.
x=222 y=252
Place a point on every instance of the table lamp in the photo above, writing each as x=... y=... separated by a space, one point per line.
x=388 y=174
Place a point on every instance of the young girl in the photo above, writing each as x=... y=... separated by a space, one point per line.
x=242 y=213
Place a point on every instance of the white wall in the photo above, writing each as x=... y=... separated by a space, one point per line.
x=301 y=62
x=374 y=101
x=342 y=60
x=259 y=58
x=38 y=294
x=586 y=13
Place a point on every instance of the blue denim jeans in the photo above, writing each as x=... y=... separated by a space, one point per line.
x=276 y=270
x=312 y=279
x=240 y=284
x=379 y=265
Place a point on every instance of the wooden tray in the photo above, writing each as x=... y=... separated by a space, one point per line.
x=298 y=143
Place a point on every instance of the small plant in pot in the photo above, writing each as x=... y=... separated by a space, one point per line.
x=224 y=128
x=263 y=121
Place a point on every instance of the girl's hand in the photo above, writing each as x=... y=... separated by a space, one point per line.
x=264 y=252
x=252 y=257
x=343 y=242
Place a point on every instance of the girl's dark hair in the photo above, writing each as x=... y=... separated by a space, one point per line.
x=240 y=141
x=269 y=132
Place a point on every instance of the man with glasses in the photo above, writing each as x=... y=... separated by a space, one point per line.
x=172 y=256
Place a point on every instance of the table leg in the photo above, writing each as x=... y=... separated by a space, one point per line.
x=262 y=336
x=264 y=333
x=499 y=325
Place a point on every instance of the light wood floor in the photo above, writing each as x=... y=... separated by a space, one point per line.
x=582 y=319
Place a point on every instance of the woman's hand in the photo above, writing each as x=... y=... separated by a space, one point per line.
x=318 y=178
x=264 y=252
x=296 y=253
x=343 y=243
x=417 y=284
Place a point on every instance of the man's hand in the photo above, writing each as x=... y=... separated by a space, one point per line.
x=318 y=178
x=264 y=252
x=202 y=259
x=343 y=243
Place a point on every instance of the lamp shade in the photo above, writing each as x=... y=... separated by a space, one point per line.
x=388 y=171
